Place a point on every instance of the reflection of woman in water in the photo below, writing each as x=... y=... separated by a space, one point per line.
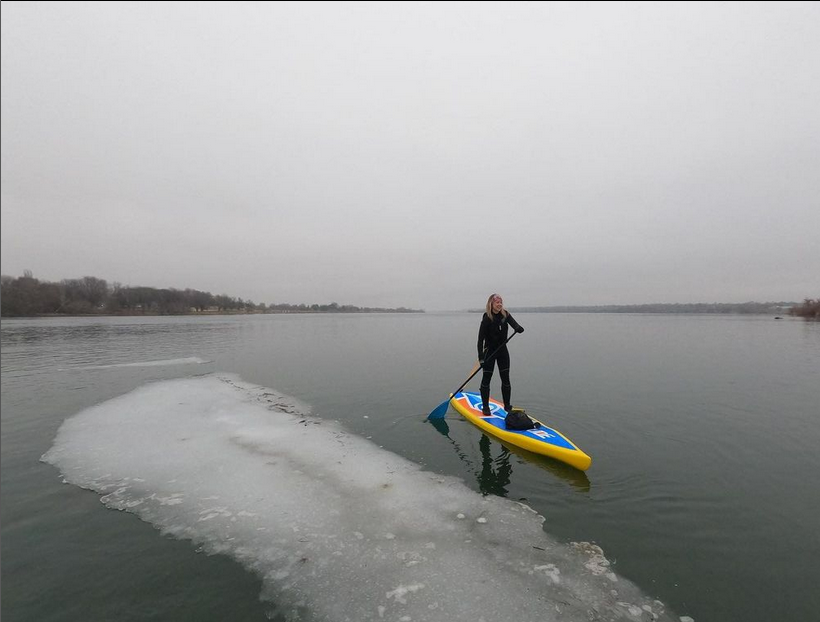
x=489 y=481
x=496 y=482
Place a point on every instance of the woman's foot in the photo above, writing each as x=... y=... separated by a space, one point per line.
x=485 y=400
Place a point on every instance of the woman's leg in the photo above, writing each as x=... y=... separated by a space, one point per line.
x=504 y=372
x=489 y=366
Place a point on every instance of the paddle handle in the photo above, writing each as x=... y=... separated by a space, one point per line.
x=485 y=358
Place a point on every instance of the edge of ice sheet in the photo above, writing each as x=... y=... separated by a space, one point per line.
x=191 y=360
x=244 y=471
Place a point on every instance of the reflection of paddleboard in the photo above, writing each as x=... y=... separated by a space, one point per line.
x=542 y=440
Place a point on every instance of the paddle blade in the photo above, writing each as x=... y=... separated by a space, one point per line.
x=440 y=410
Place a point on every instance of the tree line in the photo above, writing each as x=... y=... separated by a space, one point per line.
x=27 y=296
x=707 y=307
x=809 y=309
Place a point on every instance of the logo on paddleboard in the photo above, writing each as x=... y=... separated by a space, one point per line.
x=474 y=400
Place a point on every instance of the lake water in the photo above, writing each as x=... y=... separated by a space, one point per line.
x=704 y=431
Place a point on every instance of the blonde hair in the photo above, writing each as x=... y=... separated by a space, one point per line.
x=489 y=308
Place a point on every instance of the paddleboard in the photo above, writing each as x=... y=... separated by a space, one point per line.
x=542 y=440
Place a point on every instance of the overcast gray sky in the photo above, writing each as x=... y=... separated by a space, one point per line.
x=416 y=154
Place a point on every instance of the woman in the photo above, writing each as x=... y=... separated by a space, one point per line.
x=492 y=335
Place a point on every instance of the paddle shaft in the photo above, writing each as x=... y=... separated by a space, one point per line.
x=492 y=354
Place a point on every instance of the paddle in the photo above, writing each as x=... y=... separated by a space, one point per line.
x=441 y=410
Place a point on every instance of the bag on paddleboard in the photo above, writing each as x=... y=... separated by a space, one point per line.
x=519 y=420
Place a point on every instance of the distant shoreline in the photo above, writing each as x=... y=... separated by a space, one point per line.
x=26 y=296
x=752 y=308
x=213 y=313
x=746 y=308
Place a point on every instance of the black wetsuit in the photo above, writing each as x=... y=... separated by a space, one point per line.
x=491 y=335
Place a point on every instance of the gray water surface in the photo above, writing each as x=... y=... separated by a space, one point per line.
x=703 y=430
